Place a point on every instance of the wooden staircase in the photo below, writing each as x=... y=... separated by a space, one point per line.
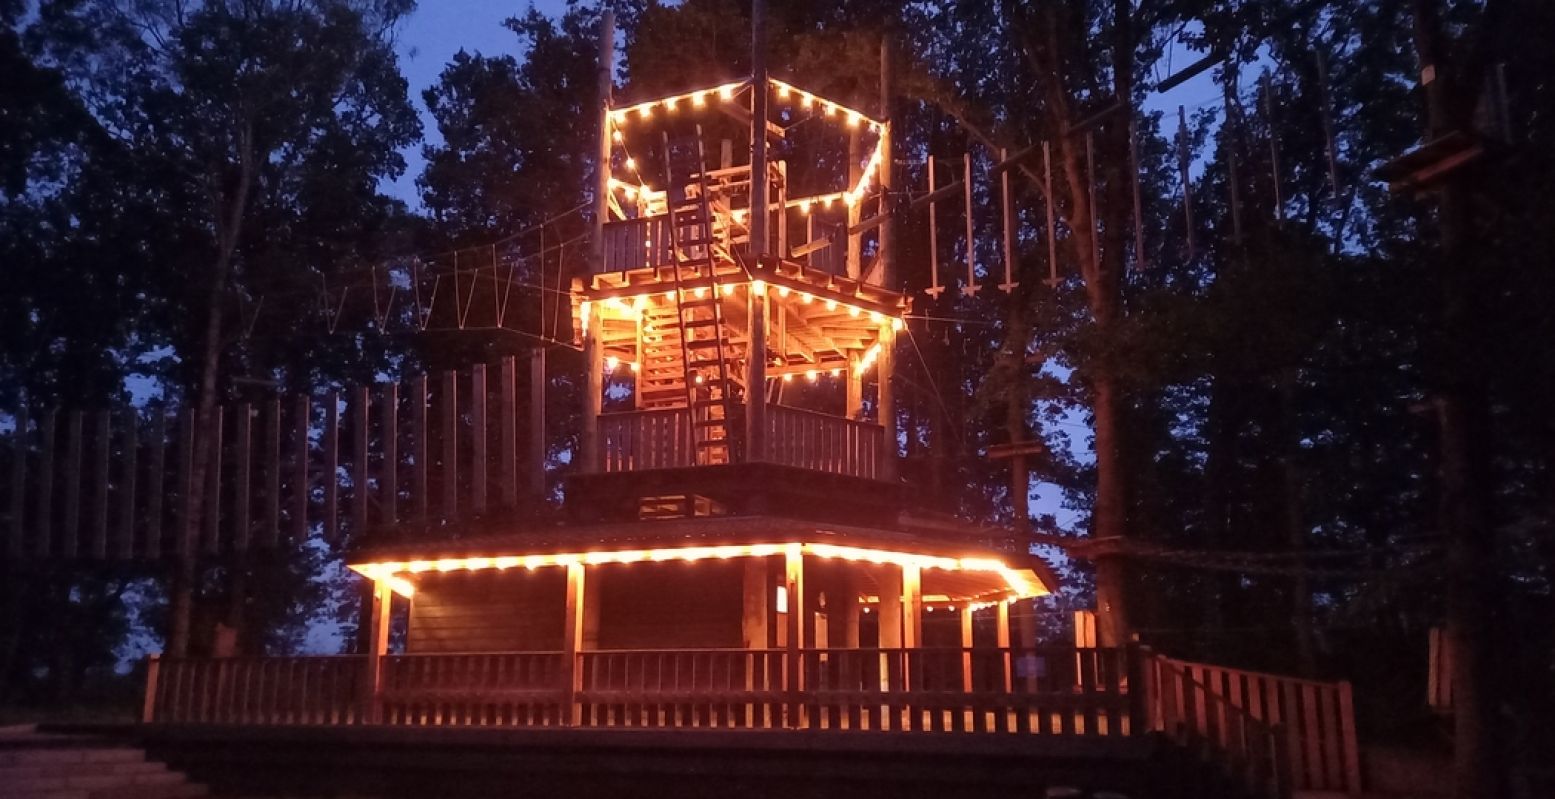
x=56 y=766
x=709 y=356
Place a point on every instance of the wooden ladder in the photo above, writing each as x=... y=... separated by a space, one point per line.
x=707 y=352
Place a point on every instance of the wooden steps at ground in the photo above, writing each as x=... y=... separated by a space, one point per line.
x=36 y=765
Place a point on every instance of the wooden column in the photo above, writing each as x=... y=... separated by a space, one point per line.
x=793 y=573
x=753 y=614
x=603 y=69
x=855 y=397
x=572 y=644
x=537 y=447
x=890 y=581
x=966 y=646
x=756 y=382
x=912 y=607
x=885 y=368
x=377 y=646
x=591 y=605
x=885 y=273
x=758 y=139
x=593 y=393
x=1003 y=642
x=848 y=609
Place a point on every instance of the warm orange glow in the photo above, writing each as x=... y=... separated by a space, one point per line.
x=1020 y=582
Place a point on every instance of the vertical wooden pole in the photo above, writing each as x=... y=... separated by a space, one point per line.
x=44 y=542
x=242 y=489
x=272 y=530
x=1008 y=204
x=1352 y=753
x=331 y=469
x=885 y=274
x=1139 y=204
x=912 y=607
x=212 y=507
x=890 y=581
x=854 y=407
x=300 y=487
x=572 y=643
x=758 y=139
x=361 y=472
x=855 y=211
x=756 y=374
x=156 y=478
x=885 y=370
x=389 y=471
x=593 y=392
x=971 y=286
x=377 y=646
x=71 y=533
x=966 y=646
x=537 y=444
x=603 y=71
x=848 y=608
x=479 y=456
x=934 y=288
x=148 y=708
x=16 y=541
x=1003 y=642
x=420 y=449
x=793 y=580
x=1052 y=214
x=98 y=548
x=507 y=391
x=128 y=477
x=450 y=404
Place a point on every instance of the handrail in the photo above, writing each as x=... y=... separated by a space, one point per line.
x=1195 y=716
x=661 y=439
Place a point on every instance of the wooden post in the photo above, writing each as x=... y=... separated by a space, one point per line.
x=793 y=578
x=890 y=582
x=572 y=644
x=912 y=607
x=507 y=393
x=421 y=448
x=155 y=480
x=855 y=240
x=1003 y=642
x=848 y=607
x=756 y=384
x=758 y=138
x=148 y=708
x=478 y=451
x=72 y=530
x=885 y=369
x=15 y=542
x=934 y=288
x=855 y=392
x=1352 y=754
x=1008 y=202
x=537 y=446
x=46 y=425
x=272 y=459
x=885 y=273
x=450 y=407
x=99 y=540
x=128 y=477
x=242 y=496
x=389 y=471
x=377 y=646
x=1183 y=162
x=331 y=444
x=300 y=485
x=966 y=646
x=602 y=147
x=361 y=475
x=593 y=393
x=212 y=509
x=971 y=288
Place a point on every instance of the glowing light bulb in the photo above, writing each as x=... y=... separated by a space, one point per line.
x=783 y=291
x=669 y=103
x=804 y=206
x=645 y=110
x=896 y=324
x=699 y=99
x=725 y=92
x=700 y=292
x=783 y=90
x=810 y=375
x=805 y=100
x=831 y=108
x=630 y=191
x=669 y=296
x=616 y=135
x=635 y=366
x=728 y=289
x=806 y=297
x=853 y=311
x=836 y=372
x=831 y=305
x=853 y=119
x=619 y=116
x=788 y=378
x=874 y=316
x=759 y=287
x=611 y=362
x=631 y=163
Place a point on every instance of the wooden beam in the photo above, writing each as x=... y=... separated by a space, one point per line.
x=1182 y=76
x=272 y=458
x=537 y=443
x=1003 y=642
x=128 y=477
x=212 y=512
x=478 y=450
x=450 y=408
x=100 y=481
x=242 y=496
x=912 y=607
x=16 y=540
x=300 y=486
x=869 y=224
x=361 y=471
x=389 y=472
x=155 y=480
x=889 y=580
x=421 y=448
x=966 y=646
x=572 y=643
x=935 y=195
x=371 y=709
x=753 y=609
x=71 y=533
x=794 y=584
x=507 y=415
x=331 y=444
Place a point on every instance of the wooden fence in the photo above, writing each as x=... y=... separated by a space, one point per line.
x=637 y=244
x=991 y=690
x=822 y=442
x=1312 y=723
x=119 y=485
x=637 y=440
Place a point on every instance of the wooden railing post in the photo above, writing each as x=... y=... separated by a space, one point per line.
x=572 y=644
x=148 y=711
x=377 y=646
x=1352 y=755
x=1142 y=696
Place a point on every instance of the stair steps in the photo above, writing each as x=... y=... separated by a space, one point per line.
x=36 y=765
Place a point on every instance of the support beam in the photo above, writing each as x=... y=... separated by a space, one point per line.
x=377 y=646
x=885 y=369
x=890 y=581
x=1003 y=642
x=912 y=607
x=886 y=275
x=572 y=643
x=602 y=151
x=966 y=646
x=855 y=394
x=793 y=578
x=756 y=375
x=593 y=392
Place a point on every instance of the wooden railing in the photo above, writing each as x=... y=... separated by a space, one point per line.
x=637 y=244
x=1313 y=721
x=1043 y=691
x=508 y=688
x=661 y=439
x=1206 y=723
x=822 y=442
x=638 y=440
x=258 y=690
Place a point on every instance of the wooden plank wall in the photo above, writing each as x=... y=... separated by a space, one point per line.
x=487 y=611
x=95 y=486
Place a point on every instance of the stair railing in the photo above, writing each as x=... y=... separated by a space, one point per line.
x=1193 y=715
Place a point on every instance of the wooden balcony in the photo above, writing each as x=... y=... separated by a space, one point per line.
x=662 y=439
